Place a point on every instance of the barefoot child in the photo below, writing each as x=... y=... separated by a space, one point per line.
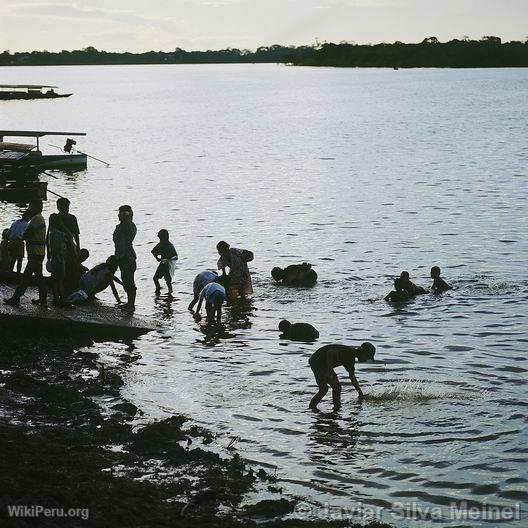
x=326 y=359
x=215 y=296
x=166 y=255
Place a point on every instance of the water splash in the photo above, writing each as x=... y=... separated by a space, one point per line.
x=417 y=390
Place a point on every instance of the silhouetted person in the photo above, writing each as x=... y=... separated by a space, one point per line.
x=124 y=235
x=410 y=286
x=236 y=260
x=439 y=284
x=35 y=237
x=69 y=221
x=214 y=295
x=5 y=261
x=295 y=275
x=68 y=146
x=166 y=255
x=84 y=254
x=400 y=293
x=200 y=281
x=99 y=278
x=16 y=240
x=57 y=255
x=298 y=331
x=326 y=359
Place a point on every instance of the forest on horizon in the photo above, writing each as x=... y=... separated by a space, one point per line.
x=488 y=52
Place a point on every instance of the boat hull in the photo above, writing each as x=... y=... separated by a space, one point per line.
x=48 y=161
x=11 y=96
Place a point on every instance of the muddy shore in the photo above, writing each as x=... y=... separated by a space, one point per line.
x=62 y=449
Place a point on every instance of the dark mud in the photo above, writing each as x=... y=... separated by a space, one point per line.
x=61 y=448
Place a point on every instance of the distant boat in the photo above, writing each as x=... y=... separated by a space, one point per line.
x=29 y=91
x=19 y=156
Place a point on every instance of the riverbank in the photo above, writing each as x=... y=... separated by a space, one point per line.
x=69 y=442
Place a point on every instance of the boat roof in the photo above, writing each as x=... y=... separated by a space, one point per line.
x=19 y=147
x=38 y=133
x=9 y=155
x=27 y=86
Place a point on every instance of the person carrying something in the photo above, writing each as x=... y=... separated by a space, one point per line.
x=166 y=255
x=239 y=279
x=16 y=240
x=35 y=237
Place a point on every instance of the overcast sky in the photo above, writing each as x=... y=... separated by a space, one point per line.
x=142 y=25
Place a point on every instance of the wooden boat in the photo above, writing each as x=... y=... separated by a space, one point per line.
x=13 y=192
x=22 y=155
x=29 y=91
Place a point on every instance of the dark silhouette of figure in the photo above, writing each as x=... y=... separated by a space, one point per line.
x=295 y=275
x=124 y=235
x=5 y=261
x=69 y=221
x=439 y=285
x=16 y=240
x=57 y=242
x=400 y=293
x=408 y=285
x=166 y=255
x=68 y=146
x=326 y=359
x=200 y=281
x=298 y=331
x=236 y=260
x=214 y=295
x=99 y=278
x=35 y=237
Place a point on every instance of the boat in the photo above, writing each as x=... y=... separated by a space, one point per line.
x=29 y=91
x=13 y=192
x=22 y=155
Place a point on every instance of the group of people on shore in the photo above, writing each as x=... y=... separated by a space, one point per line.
x=73 y=283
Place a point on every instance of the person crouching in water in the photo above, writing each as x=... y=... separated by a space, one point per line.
x=295 y=275
x=439 y=284
x=409 y=285
x=166 y=255
x=215 y=296
x=200 y=282
x=57 y=256
x=326 y=359
x=400 y=293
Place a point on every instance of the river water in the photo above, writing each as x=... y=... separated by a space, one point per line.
x=363 y=173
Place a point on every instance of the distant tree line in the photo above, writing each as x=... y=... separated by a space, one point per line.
x=488 y=52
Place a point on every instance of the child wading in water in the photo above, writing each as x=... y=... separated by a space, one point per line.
x=166 y=255
x=326 y=359
x=439 y=285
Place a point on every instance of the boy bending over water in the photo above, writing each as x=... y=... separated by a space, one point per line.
x=326 y=359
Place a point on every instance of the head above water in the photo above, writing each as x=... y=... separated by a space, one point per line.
x=163 y=235
x=404 y=275
x=435 y=272
x=63 y=205
x=223 y=248
x=111 y=262
x=277 y=273
x=365 y=352
x=284 y=325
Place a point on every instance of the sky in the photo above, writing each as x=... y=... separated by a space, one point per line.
x=144 y=25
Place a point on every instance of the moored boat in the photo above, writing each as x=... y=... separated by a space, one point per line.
x=29 y=91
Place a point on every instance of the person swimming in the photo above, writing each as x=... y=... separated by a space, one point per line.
x=408 y=285
x=298 y=331
x=439 y=285
x=295 y=275
x=399 y=294
x=326 y=359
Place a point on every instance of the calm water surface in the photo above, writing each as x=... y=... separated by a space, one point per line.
x=363 y=173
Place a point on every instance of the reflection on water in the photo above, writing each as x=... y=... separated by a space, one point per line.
x=363 y=174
